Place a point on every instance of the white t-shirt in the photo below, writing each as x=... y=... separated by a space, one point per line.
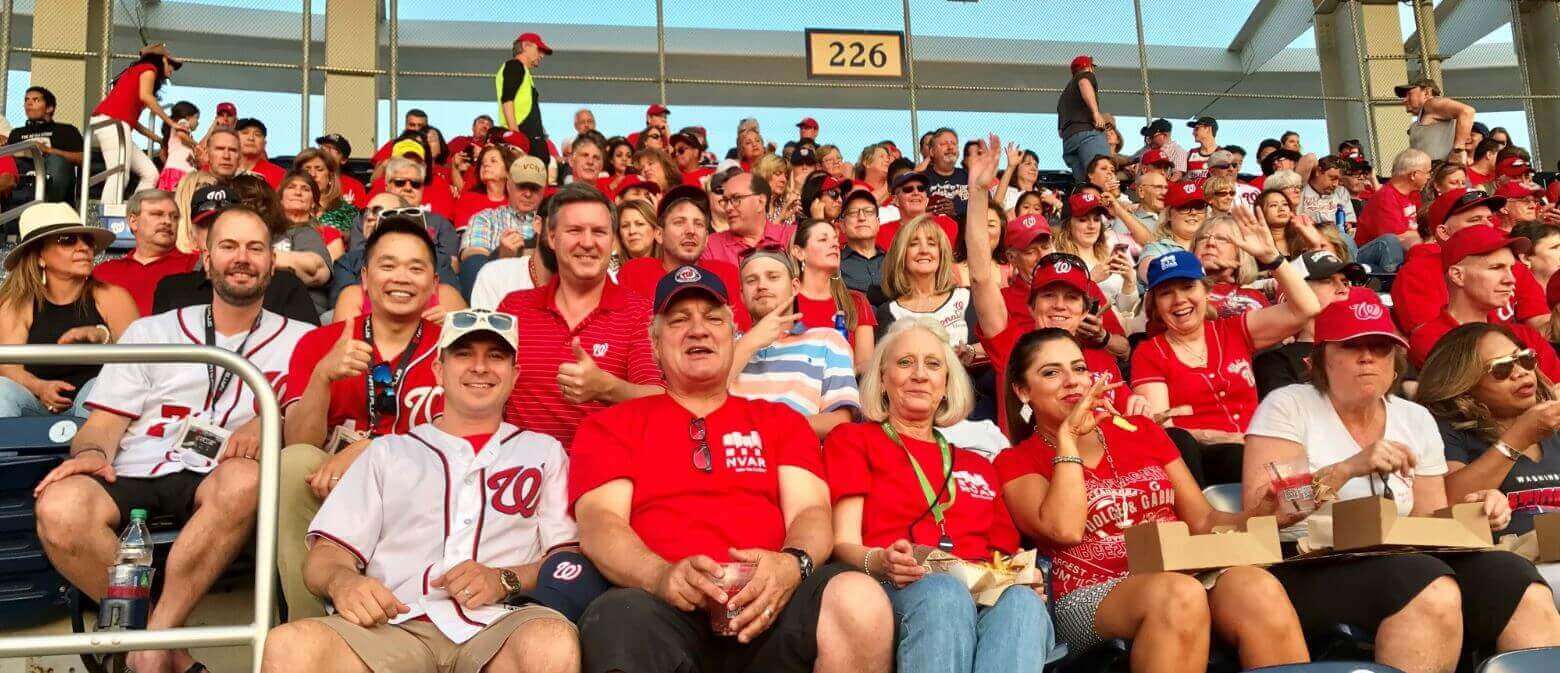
x=498 y=278
x=982 y=437
x=158 y=397
x=1300 y=413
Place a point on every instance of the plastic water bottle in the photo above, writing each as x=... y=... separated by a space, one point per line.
x=1340 y=220
x=128 y=602
x=839 y=324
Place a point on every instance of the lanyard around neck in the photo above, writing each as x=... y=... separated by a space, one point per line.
x=938 y=508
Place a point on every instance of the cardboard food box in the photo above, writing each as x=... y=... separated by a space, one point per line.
x=1363 y=523
x=1157 y=547
x=1547 y=528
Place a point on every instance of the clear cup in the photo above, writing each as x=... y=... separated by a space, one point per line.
x=1292 y=481
x=733 y=578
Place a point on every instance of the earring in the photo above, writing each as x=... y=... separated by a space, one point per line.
x=1025 y=412
x=43 y=276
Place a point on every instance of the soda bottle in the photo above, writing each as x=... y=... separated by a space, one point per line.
x=135 y=544
x=128 y=602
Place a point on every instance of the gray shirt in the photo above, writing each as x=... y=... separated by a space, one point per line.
x=305 y=238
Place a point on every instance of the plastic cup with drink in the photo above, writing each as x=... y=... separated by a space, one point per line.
x=1293 y=482
x=734 y=576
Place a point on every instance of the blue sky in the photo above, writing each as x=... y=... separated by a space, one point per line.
x=1172 y=22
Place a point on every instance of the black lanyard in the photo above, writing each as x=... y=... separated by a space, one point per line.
x=218 y=386
x=400 y=368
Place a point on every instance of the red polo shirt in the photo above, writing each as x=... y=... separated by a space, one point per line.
x=641 y=275
x=616 y=335
x=1388 y=211
x=141 y=278
x=272 y=173
x=1425 y=338
x=1419 y=291
x=725 y=246
x=1102 y=365
x=419 y=397
x=863 y=462
x=1221 y=394
x=677 y=509
x=471 y=203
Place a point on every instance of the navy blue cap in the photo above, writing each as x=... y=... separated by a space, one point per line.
x=1175 y=265
x=908 y=176
x=688 y=278
x=566 y=582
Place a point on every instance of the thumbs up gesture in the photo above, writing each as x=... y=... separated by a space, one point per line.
x=581 y=380
x=349 y=357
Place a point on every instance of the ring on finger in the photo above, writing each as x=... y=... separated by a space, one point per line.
x=769 y=612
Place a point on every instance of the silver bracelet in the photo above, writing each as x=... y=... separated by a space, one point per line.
x=1058 y=460
x=866 y=562
x=108 y=335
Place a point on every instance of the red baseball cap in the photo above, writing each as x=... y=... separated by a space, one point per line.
x=517 y=140
x=1083 y=203
x=1156 y=158
x=1518 y=190
x=831 y=183
x=1022 y=231
x=657 y=110
x=1459 y=200
x=1361 y=315
x=1185 y=195
x=634 y=181
x=1064 y=269
x=227 y=109
x=1514 y=166
x=1478 y=240
x=1082 y=61
x=535 y=39
x=807 y=123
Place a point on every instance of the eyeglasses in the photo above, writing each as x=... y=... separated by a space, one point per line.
x=405 y=182
x=733 y=199
x=1503 y=367
x=469 y=318
x=653 y=136
x=860 y=213
x=701 y=453
x=911 y=189
x=384 y=389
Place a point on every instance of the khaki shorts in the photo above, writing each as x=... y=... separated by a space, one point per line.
x=418 y=645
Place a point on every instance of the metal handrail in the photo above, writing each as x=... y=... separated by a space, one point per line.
x=35 y=148
x=265 y=523
x=88 y=178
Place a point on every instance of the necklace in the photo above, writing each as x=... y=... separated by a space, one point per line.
x=530 y=268
x=1123 y=520
x=1188 y=352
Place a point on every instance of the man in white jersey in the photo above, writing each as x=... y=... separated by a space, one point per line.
x=431 y=534
x=175 y=439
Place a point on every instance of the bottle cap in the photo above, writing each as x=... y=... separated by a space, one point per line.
x=137 y=514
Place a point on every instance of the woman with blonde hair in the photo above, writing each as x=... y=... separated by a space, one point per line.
x=184 y=196
x=638 y=232
x=919 y=281
x=750 y=146
x=872 y=169
x=1229 y=270
x=1084 y=233
x=785 y=201
x=655 y=165
x=1220 y=193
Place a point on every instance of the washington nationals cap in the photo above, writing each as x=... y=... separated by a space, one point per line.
x=1458 y=200
x=684 y=279
x=1060 y=267
x=566 y=582
x=208 y=201
x=1322 y=264
x=1023 y=230
x=1361 y=315
x=1185 y=195
x=535 y=39
x=1085 y=203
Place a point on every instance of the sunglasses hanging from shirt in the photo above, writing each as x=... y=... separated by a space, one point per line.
x=382 y=381
x=934 y=502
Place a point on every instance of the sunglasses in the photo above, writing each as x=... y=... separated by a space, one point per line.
x=654 y=136
x=407 y=182
x=911 y=189
x=469 y=318
x=69 y=240
x=701 y=453
x=1224 y=192
x=384 y=389
x=412 y=212
x=1503 y=367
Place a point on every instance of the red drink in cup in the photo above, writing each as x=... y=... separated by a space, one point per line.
x=1293 y=483
x=734 y=577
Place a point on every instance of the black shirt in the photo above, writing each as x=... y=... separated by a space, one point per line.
x=1072 y=114
x=1532 y=488
x=50 y=322
x=60 y=136
x=1279 y=367
x=285 y=296
x=956 y=188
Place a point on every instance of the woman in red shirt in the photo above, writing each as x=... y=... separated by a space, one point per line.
x=1075 y=484
x=823 y=300
x=134 y=89
x=491 y=189
x=1198 y=371
x=900 y=490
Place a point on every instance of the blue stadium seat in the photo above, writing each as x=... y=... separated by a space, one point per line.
x=37 y=434
x=1329 y=667
x=1537 y=660
x=31 y=592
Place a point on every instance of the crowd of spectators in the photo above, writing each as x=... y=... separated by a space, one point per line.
x=579 y=378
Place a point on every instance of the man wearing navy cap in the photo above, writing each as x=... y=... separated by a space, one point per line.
x=1079 y=121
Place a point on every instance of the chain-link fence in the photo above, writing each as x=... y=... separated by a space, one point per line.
x=1260 y=66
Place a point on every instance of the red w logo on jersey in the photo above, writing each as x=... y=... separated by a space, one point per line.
x=516 y=490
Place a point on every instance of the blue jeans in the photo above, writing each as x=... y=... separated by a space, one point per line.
x=1384 y=254
x=16 y=401
x=1079 y=148
x=942 y=631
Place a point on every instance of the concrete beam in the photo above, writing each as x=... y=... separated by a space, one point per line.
x=351 y=107
x=1536 y=31
x=1271 y=26
x=1342 y=34
x=1460 y=23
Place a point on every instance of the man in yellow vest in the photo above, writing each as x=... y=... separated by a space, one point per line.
x=519 y=104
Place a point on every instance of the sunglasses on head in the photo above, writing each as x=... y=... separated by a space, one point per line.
x=468 y=318
x=701 y=452
x=410 y=211
x=405 y=182
x=1503 y=367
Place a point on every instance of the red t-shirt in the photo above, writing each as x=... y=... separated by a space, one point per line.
x=1389 y=211
x=123 y=102
x=616 y=335
x=692 y=178
x=471 y=203
x=141 y=279
x=419 y=397
x=863 y=461
x=1000 y=348
x=1425 y=338
x=641 y=275
x=1223 y=394
x=1476 y=178
x=272 y=173
x=1419 y=291
x=383 y=152
x=1016 y=297
x=329 y=234
x=353 y=191
x=436 y=195
x=678 y=510
x=1138 y=483
x=821 y=312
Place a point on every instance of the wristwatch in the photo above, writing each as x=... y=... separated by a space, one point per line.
x=511 y=582
x=803 y=561
x=1505 y=449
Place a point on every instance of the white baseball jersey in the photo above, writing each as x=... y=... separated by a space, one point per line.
x=414 y=506
x=158 y=397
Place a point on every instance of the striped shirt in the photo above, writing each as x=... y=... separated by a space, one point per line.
x=810 y=372
x=616 y=335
